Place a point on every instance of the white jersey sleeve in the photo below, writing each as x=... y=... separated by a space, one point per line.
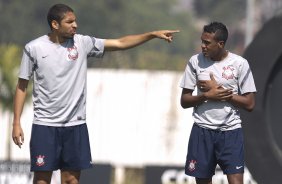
x=93 y=46
x=189 y=77
x=245 y=79
x=27 y=64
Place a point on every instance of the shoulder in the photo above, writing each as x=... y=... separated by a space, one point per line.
x=84 y=39
x=38 y=42
x=237 y=58
x=238 y=62
x=80 y=36
x=196 y=58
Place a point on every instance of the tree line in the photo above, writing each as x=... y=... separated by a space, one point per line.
x=23 y=21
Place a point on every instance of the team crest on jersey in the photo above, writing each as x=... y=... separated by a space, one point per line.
x=40 y=160
x=73 y=53
x=228 y=72
x=192 y=165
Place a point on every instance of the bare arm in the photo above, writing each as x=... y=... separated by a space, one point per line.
x=210 y=91
x=130 y=41
x=187 y=100
x=215 y=93
x=245 y=101
x=17 y=132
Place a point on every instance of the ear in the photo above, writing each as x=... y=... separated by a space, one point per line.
x=55 y=24
x=221 y=44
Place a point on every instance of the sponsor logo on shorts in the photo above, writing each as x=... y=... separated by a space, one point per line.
x=40 y=160
x=192 y=165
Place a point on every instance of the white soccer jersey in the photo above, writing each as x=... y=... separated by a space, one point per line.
x=234 y=73
x=59 y=74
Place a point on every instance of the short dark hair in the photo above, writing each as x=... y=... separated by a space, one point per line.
x=57 y=13
x=220 y=30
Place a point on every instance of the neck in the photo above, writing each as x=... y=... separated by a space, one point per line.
x=55 y=38
x=220 y=56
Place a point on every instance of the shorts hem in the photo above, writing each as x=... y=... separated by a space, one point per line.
x=64 y=169
x=233 y=172
x=76 y=169
x=199 y=176
x=38 y=170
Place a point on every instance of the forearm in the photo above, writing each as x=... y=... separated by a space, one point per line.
x=128 y=42
x=19 y=100
x=188 y=101
x=135 y=40
x=242 y=101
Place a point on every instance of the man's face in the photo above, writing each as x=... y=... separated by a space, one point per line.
x=67 y=27
x=210 y=46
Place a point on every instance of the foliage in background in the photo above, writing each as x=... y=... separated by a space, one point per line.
x=109 y=19
x=131 y=17
x=221 y=10
x=9 y=62
x=23 y=21
x=232 y=13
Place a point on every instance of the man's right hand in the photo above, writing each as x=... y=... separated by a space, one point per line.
x=219 y=94
x=17 y=134
x=214 y=91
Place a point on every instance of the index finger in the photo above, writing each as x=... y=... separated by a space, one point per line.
x=227 y=91
x=17 y=141
x=22 y=138
x=173 y=31
x=211 y=76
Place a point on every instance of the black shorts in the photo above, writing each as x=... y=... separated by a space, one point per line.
x=207 y=148
x=66 y=148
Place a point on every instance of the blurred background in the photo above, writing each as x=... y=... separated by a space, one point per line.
x=138 y=131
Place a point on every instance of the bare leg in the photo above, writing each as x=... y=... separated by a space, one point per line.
x=42 y=177
x=235 y=178
x=70 y=177
x=204 y=180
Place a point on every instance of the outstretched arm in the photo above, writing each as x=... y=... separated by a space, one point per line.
x=130 y=41
x=17 y=132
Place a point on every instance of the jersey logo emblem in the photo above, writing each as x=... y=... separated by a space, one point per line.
x=40 y=160
x=192 y=165
x=228 y=72
x=73 y=53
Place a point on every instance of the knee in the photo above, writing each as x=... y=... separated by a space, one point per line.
x=71 y=180
x=204 y=180
x=42 y=177
x=69 y=177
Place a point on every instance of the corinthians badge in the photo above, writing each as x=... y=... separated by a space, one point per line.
x=228 y=72
x=73 y=53
x=192 y=165
x=40 y=160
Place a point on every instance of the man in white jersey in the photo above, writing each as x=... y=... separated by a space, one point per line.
x=225 y=84
x=58 y=64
